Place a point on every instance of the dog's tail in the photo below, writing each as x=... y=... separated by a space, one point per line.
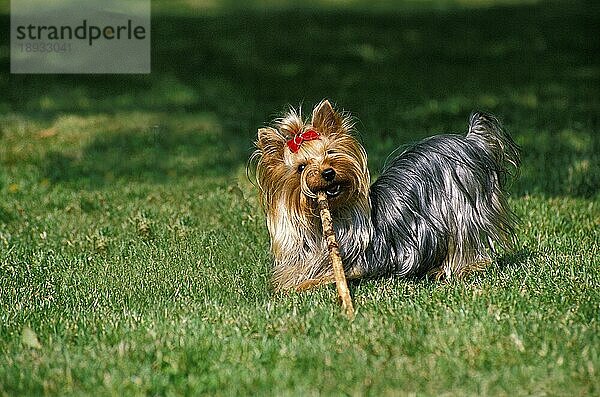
x=486 y=129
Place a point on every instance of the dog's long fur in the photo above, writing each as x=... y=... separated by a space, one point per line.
x=438 y=207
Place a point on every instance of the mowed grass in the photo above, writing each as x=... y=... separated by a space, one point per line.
x=134 y=255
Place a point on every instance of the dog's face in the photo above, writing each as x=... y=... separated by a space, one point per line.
x=297 y=159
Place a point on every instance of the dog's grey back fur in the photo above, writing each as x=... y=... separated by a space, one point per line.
x=441 y=203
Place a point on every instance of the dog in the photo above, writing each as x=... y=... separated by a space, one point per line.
x=438 y=208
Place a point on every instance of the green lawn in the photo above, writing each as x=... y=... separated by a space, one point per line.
x=134 y=255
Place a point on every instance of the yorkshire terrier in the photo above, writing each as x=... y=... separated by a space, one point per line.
x=439 y=207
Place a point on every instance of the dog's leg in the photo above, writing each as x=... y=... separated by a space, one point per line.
x=459 y=263
x=315 y=282
x=352 y=274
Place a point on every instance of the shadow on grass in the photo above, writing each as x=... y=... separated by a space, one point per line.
x=157 y=155
x=515 y=259
x=405 y=74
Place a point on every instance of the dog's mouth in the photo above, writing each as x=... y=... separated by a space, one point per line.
x=333 y=190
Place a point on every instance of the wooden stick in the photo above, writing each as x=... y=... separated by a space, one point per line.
x=334 y=255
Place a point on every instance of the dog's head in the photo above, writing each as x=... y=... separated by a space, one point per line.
x=297 y=158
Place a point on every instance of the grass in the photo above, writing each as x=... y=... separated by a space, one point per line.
x=133 y=252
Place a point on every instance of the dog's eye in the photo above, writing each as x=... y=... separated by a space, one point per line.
x=301 y=168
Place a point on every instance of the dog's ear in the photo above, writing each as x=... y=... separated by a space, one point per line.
x=270 y=142
x=325 y=119
x=267 y=136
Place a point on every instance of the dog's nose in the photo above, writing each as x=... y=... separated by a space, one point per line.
x=328 y=174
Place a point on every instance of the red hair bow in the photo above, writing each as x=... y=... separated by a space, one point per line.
x=296 y=141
